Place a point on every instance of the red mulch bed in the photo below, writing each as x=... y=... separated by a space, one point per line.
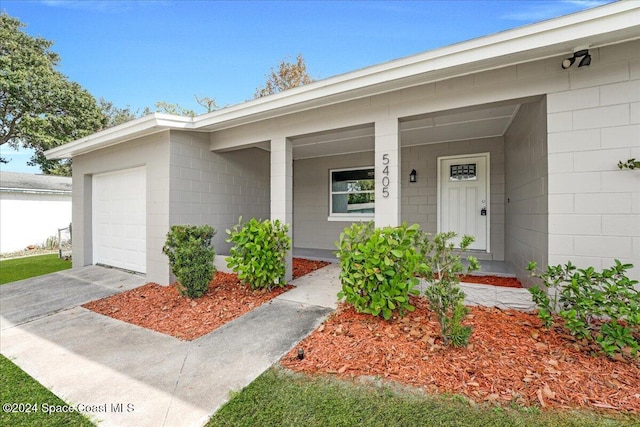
x=302 y=266
x=511 y=357
x=162 y=309
x=507 y=282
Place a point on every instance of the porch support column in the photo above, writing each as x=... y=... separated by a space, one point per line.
x=387 y=171
x=282 y=189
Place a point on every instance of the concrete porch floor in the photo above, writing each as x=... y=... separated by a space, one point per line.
x=488 y=267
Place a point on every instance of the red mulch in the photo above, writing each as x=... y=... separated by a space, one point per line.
x=507 y=282
x=511 y=357
x=162 y=309
x=302 y=266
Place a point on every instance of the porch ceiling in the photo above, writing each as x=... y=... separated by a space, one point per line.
x=446 y=126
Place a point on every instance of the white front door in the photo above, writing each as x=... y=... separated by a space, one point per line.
x=463 y=201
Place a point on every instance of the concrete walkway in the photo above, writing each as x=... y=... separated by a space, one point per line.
x=124 y=375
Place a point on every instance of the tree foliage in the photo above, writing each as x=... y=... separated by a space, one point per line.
x=208 y=103
x=40 y=108
x=114 y=116
x=287 y=76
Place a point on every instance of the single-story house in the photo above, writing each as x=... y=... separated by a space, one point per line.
x=513 y=137
x=32 y=209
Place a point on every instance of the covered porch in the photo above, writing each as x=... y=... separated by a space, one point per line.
x=475 y=170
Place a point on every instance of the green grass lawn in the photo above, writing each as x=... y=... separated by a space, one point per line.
x=279 y=398
x=18 y=387
x=24 y=268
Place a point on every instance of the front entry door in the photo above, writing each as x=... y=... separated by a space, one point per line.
x=463 y=202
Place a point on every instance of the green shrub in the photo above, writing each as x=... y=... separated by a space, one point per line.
x=191 y=257
x=378 y=267
x=600 y=306
x=258 y=255
x=444 y=294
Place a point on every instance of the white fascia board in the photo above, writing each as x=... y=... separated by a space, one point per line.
x=533 y=42
x=142 y=126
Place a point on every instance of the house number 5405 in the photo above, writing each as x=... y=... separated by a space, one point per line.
x=385 y=176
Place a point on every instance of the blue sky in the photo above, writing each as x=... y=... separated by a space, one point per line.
x=135 y=53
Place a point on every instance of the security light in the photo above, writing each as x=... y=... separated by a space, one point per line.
x=582 y=53
x=412 y=176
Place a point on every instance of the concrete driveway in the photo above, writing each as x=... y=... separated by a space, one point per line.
x=123 y=375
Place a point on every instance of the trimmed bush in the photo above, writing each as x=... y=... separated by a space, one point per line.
x=258 y=255
x=378 y=267
x=597 y=306
x=191 y=257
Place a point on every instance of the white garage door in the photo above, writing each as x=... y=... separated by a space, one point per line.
x=119 y=219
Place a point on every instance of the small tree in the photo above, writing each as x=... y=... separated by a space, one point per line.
x=444 y=294
x=191 y=257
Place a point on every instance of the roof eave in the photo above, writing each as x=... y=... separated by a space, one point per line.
x=142 y=126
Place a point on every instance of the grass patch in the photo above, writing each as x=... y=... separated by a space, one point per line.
x=18 y=387
x=280 y=398
x=32 y=266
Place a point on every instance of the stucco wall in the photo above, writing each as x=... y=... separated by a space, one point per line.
x=151 y=152
x=526 y=189
x=29 y=219
x=594 y=208
x=216 y=188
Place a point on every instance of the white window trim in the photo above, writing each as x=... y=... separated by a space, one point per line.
x=346 y=217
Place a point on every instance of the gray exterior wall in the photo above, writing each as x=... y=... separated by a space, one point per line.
x=527 y=193
x=594 y=208
x=216 y=188
x=419 y=199
x=311 y=229
x=151 y=152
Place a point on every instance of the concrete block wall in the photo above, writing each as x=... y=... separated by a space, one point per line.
x=594 y=208
x=216 y=188
x=526 y=204
x=311 y=229
x=152 y=152
x=420 y=199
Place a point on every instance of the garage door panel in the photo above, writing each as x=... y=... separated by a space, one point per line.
x=119 y=219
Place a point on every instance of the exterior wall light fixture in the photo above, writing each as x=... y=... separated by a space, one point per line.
x=412 y=176
x=582 y=53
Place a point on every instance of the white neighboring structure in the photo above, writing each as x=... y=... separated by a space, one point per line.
x=32 y=208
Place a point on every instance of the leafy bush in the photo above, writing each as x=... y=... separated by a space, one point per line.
x=258 y=255
x=378 y=267
x=600 y=306
x=444 y=294
x=191 y=257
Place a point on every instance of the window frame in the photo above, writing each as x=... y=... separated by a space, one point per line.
x=345 y=216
